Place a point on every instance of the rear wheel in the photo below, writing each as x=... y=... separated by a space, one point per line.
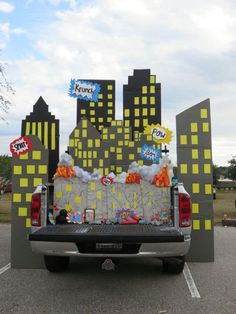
x=56 y=263
x=173 y=265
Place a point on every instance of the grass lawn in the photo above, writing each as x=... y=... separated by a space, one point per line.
x=224 y=204
x=5 y=207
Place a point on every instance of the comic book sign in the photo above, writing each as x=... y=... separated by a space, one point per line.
x=20 y=146
x=159 y=133
x=84 y=90
x=150 y=153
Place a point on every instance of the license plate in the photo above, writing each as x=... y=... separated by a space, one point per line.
x=111 y=246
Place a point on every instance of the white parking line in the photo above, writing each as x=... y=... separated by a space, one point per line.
x=5 y=268
x=190 y=282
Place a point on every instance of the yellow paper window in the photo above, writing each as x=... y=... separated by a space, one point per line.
x=126 y=112
x=24 y=182
x=183 y=168
x=71 y=143
x=205 y=127
x=196 y=188
x=58 y=194
x=152 y=79
x=195 y=208
x=99 y=195
x=109 y=111
x=92 y=186
x=152 y=89
x=90 y=143
x=17 y=170
x=100 y=104
x=183 y=139
x=196 y=224
x=24 y=156
x=77 y=199
x=194 y=127
x=194 y=153
x=131 y=156
x=101 y=163
x=136 y=100
x=195 y=169
x=152 y=100
x=208 y=189
x=16 y=197
x=207 y=168
x=109 y=96
x=152 y=111
x=144 y=89
x=119 y=156
x=110 y=104
x=42 y=169
x=28 y=223
x=84 y=123
x=100 y=96
x=203 y=113
x=76 y=132
x=36 y=155
x=145 y=112
x=37 y=181
x=144 y=100
x=22 y=211
x=28 y=197
x=68 y=187
x=194 y=139
x=109 y=87
x=208 y=224
x=207 y=153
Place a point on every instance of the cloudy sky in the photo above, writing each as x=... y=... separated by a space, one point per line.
x=190 y=46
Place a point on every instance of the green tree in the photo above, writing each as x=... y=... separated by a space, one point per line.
x=5 y=90
x=5 y=166
x=216 y=174
x=232 y=168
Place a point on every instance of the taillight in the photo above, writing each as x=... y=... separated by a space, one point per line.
x=36 y=210
x=185 y=211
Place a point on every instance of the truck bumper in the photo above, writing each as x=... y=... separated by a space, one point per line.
x=110 y=240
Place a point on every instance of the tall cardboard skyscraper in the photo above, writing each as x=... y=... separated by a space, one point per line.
x=102 y=112
x=141 y=101
x=43 y=124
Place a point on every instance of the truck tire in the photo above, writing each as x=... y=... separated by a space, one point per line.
x=173 y=265
x=56 y=263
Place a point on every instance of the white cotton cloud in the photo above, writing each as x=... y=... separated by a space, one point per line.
x=6 y=7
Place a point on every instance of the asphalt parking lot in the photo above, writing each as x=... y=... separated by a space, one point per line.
x=136 y=286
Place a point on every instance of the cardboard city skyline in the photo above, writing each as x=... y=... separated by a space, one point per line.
x=98 y=141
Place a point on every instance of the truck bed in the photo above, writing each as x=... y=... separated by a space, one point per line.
x=107 y=233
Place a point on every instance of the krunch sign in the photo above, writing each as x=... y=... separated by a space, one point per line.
x=84 y=90
x=20 y=146
x=159 y=133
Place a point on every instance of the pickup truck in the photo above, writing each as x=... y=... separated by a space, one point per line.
x=108 y=219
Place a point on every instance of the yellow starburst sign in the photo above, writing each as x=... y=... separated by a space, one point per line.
x=159 y=133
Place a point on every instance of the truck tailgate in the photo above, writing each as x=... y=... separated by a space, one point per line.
x=107 y=233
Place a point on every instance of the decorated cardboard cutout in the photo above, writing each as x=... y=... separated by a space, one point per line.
x=84 y=90
x=159 y=133
x=20 y=146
